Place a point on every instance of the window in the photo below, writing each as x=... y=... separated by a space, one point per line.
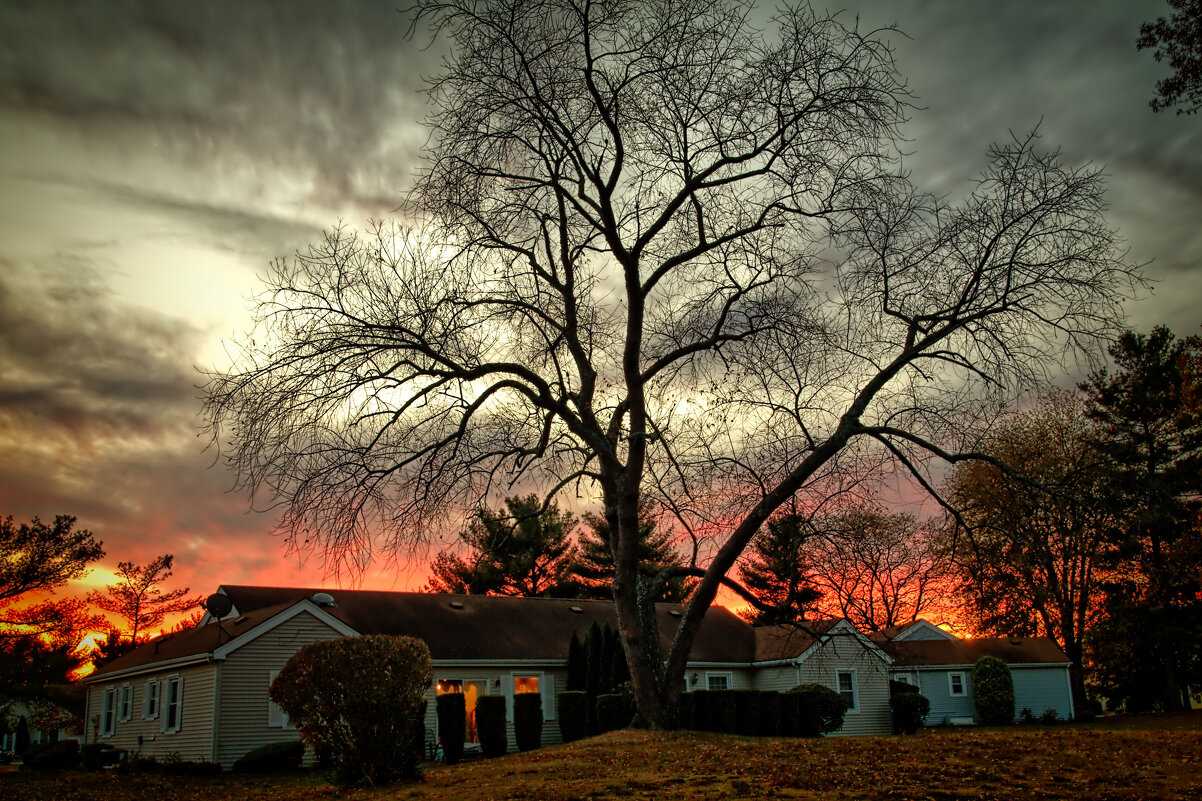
x=718 y=681
x=277 y=718
x=845 y=681
x=534 y=683
x=150 y=700
x=907 y=678
x=173 y=701
x=108 y=711
x=125 y=703
x=955 y=684
x=471 y=689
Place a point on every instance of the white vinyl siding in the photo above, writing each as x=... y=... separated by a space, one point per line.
x=1042 y=688
x=194 y=738
x=847 y=653
x=277 y=718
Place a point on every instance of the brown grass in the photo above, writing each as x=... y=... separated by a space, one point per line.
x=1095 y=762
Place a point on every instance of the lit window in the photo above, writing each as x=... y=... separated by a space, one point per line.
x=955 y=684
x=846 y=682
x=173 y=701
x=525 y=684
x=717 y=681
x=445 y=686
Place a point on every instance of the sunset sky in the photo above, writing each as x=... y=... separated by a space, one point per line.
x=154 y=157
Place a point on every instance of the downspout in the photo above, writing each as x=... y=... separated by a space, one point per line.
x=216 y=716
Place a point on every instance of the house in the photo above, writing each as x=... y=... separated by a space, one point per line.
x=940 y=666
x=202 y=694
x=45 y=721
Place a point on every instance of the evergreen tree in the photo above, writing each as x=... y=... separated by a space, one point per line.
x=138 y=598
x=594 y=566
x=524 y=550
x=593 y=650
x=577 y=665
x=1151 y=418
x=777 y=572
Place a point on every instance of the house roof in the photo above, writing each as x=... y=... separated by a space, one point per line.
x=489 y=627
x=455 y=627
x=789 y=641
x=1011 y=650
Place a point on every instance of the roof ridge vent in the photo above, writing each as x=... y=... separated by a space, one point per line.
x=323 y=599
x=456 y=604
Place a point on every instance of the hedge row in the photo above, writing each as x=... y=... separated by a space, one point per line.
x=806 y=711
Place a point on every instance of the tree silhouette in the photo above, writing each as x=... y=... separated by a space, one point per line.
x=1178 y=38
x=36 y=558
x=138 y=599
x=525 y=550
x=777 y=571
x=661 y=256
x=593 y=570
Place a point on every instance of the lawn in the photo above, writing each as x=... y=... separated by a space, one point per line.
x=1097 y=762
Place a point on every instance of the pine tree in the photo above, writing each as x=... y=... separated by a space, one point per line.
x=777 y=571
x=594 y=566
x=577 y=665
x=138 y=599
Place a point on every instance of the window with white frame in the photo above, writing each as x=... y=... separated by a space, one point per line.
x=108 y=711
x=125 y=703
x=277 y=718
x=907 y=678
x=535 y=683
x=956 y=685
x=845 y=681
x=719 y=681
x=150 y=700
x=173 y=702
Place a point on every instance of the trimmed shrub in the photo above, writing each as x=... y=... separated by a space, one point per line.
x=1049 y=716
x=747 y=712
x=528 y=721
x=899 y=687
x=452 y=725
x=790 y=714
x=722 y=711
x=702 y=719
x=820 y=711
x=686 y=717
x=360 y=700
x=490 y=725
x=573 y=715
x=993 y=691
x=62 y=755
x=272 y=758
x=613 y=712
x=769 y=713
x=909 y=711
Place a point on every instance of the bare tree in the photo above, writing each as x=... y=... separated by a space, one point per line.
x=879 y=569
x=138 y=598
x=659 y=256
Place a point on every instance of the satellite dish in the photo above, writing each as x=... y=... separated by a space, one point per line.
x=218 y=605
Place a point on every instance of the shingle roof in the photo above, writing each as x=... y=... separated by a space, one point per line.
x=482 y=627
x=789 y=641
x=465 y=627
x=1011 y=650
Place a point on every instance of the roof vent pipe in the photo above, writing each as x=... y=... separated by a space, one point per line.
x=324 y=599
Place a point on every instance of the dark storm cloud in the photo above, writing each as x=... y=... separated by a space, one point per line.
x=74 y=365
x=326 y=89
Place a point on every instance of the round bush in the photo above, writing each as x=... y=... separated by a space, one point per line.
x=573 y=715
x=769 y=713
x=820 y=710
x=51 y=756
x=490 y=725
x=909 y=712
x=359 y=701
x=993 y=690
x=272 y=758
x=452 y=726
x=528 y=721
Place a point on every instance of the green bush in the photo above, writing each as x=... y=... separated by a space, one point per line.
x=62 y=755
x=701 y=710
x=1049 y=716
x=490 y=725
x=528 y=721
x=613 y=712
x=769 y=713
x=452 y=726
x=573 y=715
x=790 y=714
x=909 y=711
x=359 y=700
x=899 y=687
x=747 y=712
x=993 y=691
x=820 y=710
x=722 y=711
x=272 y=758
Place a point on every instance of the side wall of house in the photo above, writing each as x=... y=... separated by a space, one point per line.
x=780 y=678
x=145 y=737
x=937 y=686
x=500 y=680
x=873 y=714
x=244 y=678
x=1042 y=688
